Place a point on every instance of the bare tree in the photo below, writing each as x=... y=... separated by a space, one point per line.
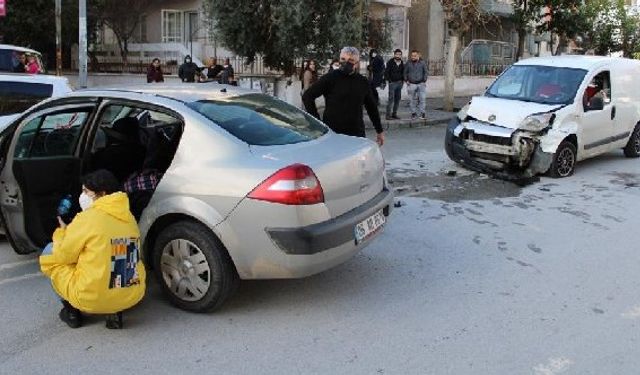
x=123 y=18
x=459 y=15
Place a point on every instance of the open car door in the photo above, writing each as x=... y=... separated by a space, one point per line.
x=41 y=165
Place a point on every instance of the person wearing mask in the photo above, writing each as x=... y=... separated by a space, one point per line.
x=415 y=75
x=188 y=70
x=214 y=69
x=21 y=65
x=394 y=75
x=309 y=75
x=376 y=73
x=94 y=262
x=335 y=65
x=345 y=92
x=154 y=72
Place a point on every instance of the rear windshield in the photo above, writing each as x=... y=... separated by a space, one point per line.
x=16 y=97
x=9 y=60
x=262 y=120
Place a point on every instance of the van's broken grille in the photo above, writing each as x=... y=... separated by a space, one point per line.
x=490 y=139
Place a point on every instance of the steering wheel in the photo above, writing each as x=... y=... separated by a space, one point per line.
x=58 y=141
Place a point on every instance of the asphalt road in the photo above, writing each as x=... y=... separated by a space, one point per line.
x=470 y=276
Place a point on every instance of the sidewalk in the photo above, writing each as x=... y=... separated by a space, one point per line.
x=435 y=114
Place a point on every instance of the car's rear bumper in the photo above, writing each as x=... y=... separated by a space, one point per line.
x=263 y=244
x=332 y=233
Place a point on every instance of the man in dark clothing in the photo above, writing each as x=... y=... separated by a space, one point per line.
x=415 y=74
x=21 y=66
x=188 y=70
x=345 y=92
x=376 y=73
x=394 y=74
x=214 y=69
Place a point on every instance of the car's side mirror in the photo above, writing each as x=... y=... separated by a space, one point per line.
x=596 y=104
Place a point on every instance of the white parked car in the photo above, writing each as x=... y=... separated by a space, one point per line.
x=18 y=92
x=545 y=114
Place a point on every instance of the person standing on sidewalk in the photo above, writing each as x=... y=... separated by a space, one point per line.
x=415 y=74
x=154 y=72
x=345 y=92
x=376 y=73
x=309 y=75
x=394 y=74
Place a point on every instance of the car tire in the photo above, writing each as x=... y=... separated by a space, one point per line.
x=632 y=149
x=193 y=267
x=564 y=160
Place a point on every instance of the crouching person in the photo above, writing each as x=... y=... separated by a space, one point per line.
x=94 y=262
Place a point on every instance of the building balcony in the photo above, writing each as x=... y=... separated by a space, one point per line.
x=502 y=8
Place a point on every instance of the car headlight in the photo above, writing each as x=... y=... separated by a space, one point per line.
x=462 y=113
x=536 y=123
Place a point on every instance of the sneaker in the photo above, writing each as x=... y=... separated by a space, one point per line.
x=414 y=116
x=70 y=315
x=423 y=116
x=114 y=321
x=395 y=117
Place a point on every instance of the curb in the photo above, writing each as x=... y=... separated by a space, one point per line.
x=408 y=124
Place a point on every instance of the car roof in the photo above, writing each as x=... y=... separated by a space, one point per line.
x=571 y=61
x=33 y=78
x=184 y=92
x=18 y=49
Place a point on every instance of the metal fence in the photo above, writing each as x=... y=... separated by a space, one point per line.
x=258 y=67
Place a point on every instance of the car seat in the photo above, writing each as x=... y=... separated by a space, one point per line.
x=548 y=90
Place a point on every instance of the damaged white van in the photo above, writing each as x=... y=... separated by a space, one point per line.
x=542 y=115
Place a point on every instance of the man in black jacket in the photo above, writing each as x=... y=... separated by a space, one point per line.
x=345 y=92
x=188 y=71
x=394 y=74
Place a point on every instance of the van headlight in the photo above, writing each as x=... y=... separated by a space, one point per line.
x=462 y=113
x=538 y=122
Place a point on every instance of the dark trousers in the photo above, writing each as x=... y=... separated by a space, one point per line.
x=395 y=92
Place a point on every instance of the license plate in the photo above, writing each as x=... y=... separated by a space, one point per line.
x=369 y=226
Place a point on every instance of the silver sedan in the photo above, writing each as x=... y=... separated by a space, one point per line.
x=249 y=187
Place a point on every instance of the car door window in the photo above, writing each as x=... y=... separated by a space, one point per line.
x=599 y=86
x=54 y=134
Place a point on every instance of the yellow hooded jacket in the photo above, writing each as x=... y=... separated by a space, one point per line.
x=95 y=262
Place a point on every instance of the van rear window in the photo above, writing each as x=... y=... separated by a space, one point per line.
x=16 y=97
x=261 y=120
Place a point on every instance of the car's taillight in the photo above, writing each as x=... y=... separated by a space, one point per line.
x=293 y=185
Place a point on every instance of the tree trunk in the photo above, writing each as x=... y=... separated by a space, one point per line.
x=450 y=71
x=562 y=43
x=521 y=36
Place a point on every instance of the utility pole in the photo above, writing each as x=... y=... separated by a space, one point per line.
x=82 y=48
x=58 y=38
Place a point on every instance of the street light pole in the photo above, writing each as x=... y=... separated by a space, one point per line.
x=58 y=38
x=82 y=48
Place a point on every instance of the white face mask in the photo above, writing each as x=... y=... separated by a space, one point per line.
x=85 y=201
x=336 y=66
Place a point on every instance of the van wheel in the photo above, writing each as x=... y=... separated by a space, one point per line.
x=193 y=267
x=632 y=149
x=564 y=160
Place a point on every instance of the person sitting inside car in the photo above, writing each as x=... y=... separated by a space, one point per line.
x=94 y=262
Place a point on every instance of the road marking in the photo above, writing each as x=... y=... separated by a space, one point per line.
x=634 y=313
x=21 y=277
x=554 y=366
x=17 y=264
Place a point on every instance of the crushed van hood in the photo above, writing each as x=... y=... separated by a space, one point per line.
x=504 y=112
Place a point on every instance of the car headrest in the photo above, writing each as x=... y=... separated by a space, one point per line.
x=128 y=126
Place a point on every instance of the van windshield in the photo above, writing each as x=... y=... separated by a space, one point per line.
x=539 y=84
x=261 y=120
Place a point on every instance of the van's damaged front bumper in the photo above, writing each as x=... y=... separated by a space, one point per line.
x=509 y=154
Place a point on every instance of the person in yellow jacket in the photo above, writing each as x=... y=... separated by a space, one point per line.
x=94 y=262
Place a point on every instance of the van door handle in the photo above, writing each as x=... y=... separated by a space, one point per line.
x=613 y=112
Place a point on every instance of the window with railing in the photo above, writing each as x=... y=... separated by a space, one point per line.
x=172 y=26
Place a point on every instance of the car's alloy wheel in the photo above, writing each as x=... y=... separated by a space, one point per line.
x=564 y=160
x=632 y=149
x=193 y=267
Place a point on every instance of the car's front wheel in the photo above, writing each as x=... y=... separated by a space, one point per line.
x=564 y=160
x=632 y=149
x=193 y=267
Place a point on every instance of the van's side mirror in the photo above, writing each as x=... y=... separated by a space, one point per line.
x=596 y=104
